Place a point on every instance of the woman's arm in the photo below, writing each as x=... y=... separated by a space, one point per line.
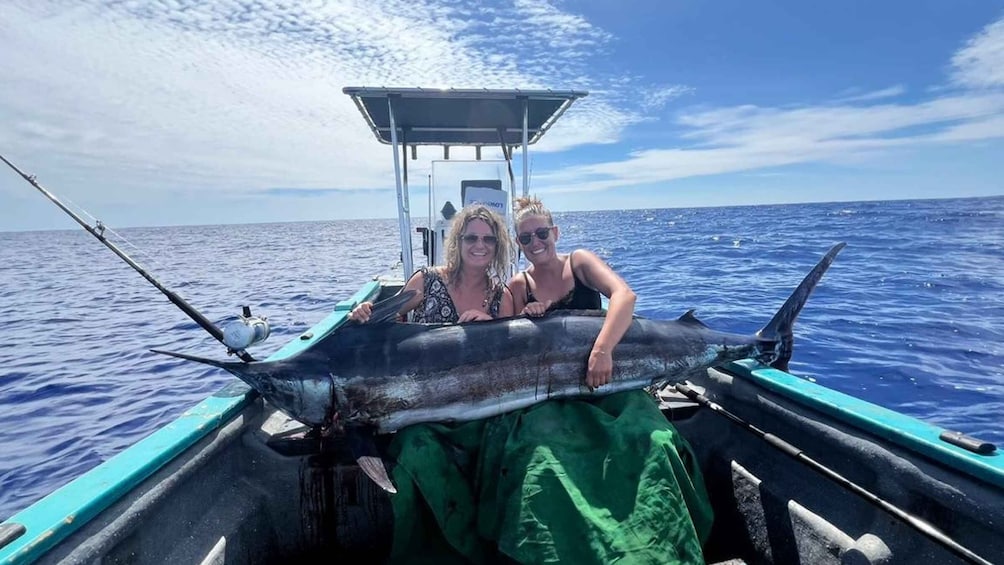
x=597 y=274
x=517 y=288
x=508 y=307
x=361 y=313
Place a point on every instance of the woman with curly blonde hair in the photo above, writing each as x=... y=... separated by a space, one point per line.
x=455 y=241
x=471 y=286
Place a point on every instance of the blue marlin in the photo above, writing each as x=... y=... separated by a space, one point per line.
x=386 y=375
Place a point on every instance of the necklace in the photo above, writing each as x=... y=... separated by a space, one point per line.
x=488 y=293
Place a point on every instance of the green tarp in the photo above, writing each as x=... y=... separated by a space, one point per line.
x=572 y=481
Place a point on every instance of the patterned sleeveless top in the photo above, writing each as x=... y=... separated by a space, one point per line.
x=437 y=306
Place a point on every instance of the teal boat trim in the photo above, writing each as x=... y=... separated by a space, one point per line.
x=53 y=518
x=369 y=291
x=902 y=430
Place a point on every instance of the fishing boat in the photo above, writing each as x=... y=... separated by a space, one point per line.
x=796 y=472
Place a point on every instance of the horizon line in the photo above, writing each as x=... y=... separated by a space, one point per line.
x=813 y=202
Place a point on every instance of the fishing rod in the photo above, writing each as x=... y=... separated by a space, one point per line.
x=236 y=336
x=923 y=527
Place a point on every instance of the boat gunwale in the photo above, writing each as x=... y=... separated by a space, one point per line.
x=913 y=434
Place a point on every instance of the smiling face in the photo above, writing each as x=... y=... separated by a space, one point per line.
x=477 y=244
x=477 y=222
x=537 y=250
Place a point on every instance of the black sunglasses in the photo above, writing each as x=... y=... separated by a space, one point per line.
x=472 y=239
x=542 y=234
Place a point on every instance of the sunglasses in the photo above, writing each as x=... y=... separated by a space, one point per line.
x=542 y=234
x=486 y=239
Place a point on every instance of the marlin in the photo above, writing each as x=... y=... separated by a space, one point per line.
x=386 y=375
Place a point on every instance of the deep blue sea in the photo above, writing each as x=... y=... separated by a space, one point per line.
x=910 y=316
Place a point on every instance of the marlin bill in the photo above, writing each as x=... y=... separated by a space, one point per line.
x=387 y=375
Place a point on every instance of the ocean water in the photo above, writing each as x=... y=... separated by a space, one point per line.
x=910 y=316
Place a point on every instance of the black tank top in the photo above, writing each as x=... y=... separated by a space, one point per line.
x=581 y=297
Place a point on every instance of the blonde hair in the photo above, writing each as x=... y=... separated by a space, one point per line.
x=528 y=206
x=503 y=247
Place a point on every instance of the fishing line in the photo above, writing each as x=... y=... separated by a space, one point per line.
x=120 y=239
x=148 y=258
x=790 y=450
x=98 y=231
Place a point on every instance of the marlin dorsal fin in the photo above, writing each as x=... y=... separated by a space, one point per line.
x=689 y=318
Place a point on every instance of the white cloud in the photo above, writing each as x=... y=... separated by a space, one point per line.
x=890 y=92
x=243 y=94
x=980 y=64
x=748 y=137
x=745 y=138
x=656 y=98
x=540 y=22
x=178 y=96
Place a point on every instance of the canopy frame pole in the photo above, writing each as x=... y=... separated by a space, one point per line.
x=403 y=213
x=526 y=143
x=407 y=192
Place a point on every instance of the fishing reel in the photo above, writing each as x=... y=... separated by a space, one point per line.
x=245 y=331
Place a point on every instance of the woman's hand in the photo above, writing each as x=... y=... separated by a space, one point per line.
x=361 y=314
x=600 y=367
x=536 y=309
x=473 y=315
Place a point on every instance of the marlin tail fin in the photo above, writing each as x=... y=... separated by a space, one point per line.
x=779 y=327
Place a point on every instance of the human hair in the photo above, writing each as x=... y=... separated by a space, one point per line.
x=527 y=206
x=503 y=247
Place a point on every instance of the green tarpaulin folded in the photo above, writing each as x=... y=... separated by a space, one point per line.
x=573 y=481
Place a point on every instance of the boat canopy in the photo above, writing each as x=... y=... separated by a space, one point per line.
x=429 y=116
x=464 y=117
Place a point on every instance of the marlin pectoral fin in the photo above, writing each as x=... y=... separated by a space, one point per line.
x=387 y=310
x=367 y=457
x=374 y=469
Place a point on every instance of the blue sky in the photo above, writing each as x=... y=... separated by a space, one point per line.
x=182 y=112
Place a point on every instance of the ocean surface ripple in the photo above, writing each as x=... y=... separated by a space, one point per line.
x=910 y=316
